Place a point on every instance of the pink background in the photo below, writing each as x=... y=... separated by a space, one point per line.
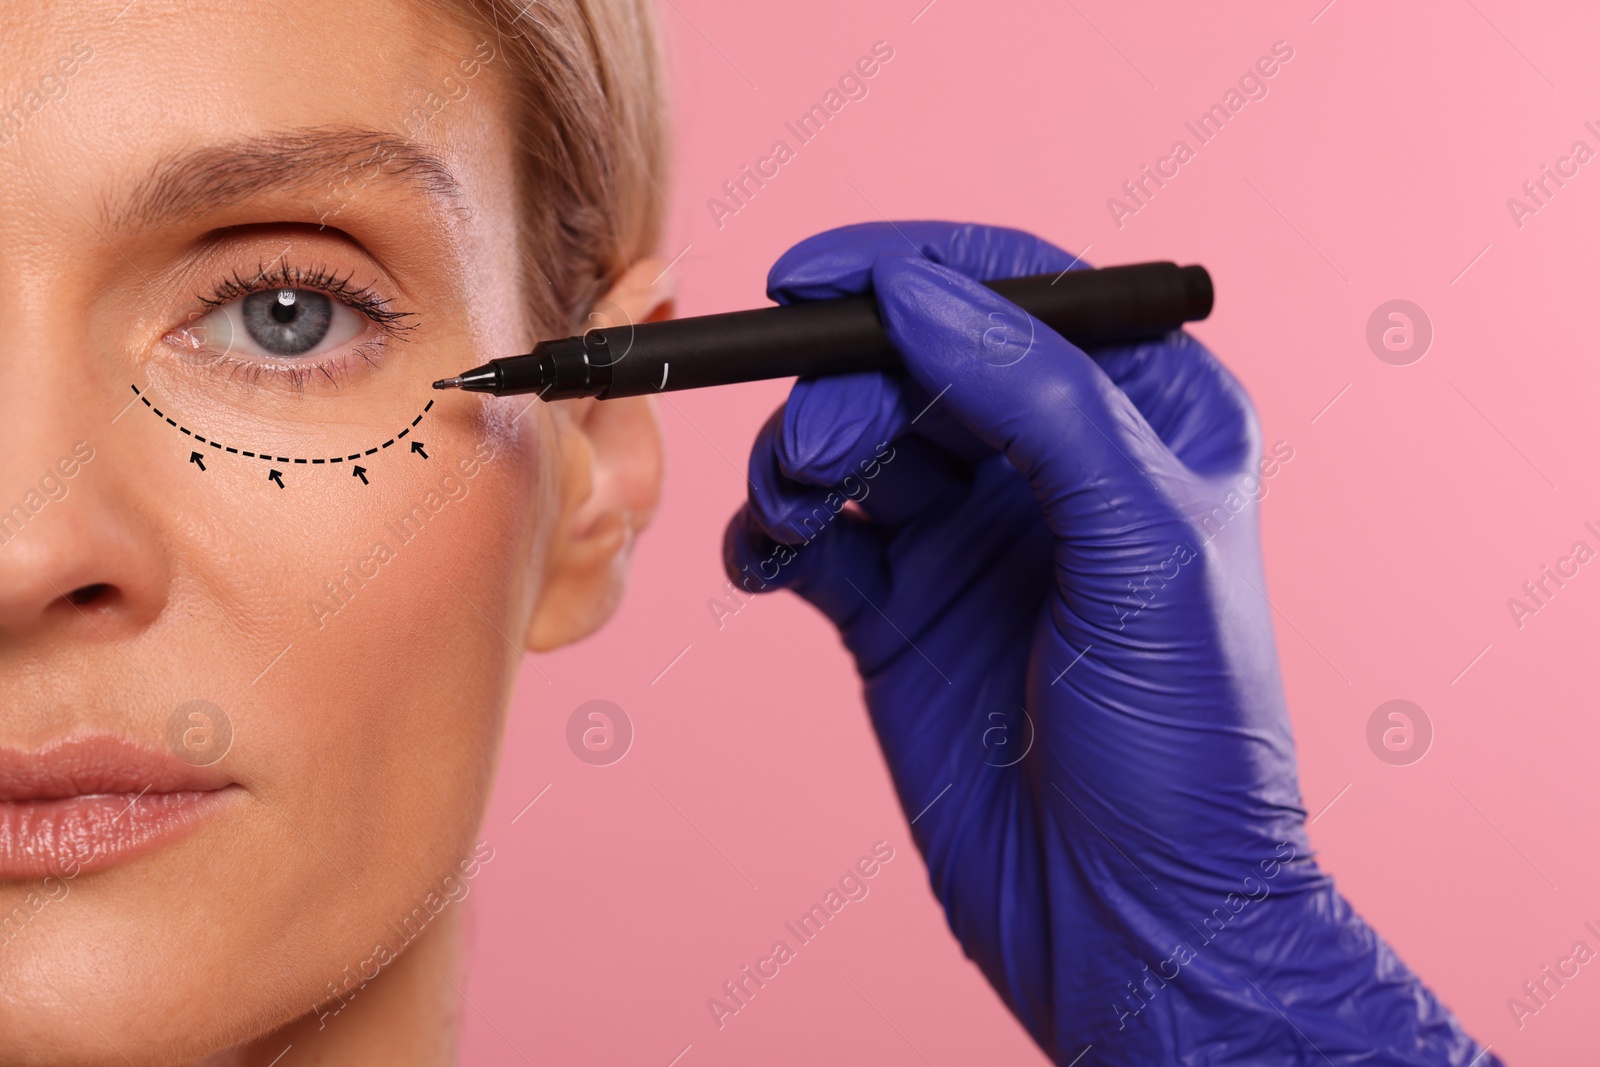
x=1378 y=167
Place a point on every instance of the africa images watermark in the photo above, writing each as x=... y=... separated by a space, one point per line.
x=1152 y=981
x=852 y=85
x=451 y=890
x=53 y=486
x=1252 y=85
x=53 y=889
x=852 y=886
x=1541 y=190
x=1537 y=993
x=1250 y=488
x=340 y=590
x=851 y=488
x=1538 y=591
x=356 y=176
x=52 y=85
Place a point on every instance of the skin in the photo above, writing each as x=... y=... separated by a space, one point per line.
x=364 y=740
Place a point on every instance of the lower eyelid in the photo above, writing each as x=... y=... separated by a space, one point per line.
x=334 y=369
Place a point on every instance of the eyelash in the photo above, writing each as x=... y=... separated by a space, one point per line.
x=362 y=299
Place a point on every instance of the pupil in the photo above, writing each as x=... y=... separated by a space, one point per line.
x=287 y=322
x=284 y=309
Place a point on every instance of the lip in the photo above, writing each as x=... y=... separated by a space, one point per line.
x=88 y=802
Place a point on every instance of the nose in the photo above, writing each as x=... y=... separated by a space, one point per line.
x=75 y=555
x=81 y=556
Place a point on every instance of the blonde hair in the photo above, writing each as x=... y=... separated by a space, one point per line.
x=588 y=93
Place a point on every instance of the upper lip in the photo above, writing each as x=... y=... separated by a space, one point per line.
x=90 y=764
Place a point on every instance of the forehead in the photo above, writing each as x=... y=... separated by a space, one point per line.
x=246 y=60
x=95 y=97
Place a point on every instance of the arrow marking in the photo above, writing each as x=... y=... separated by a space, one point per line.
x=360 y=472
x=416 y=446
x=219 y=446
x=276 y=476
x=197 y=460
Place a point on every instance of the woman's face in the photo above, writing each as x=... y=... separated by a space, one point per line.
x=275 y=224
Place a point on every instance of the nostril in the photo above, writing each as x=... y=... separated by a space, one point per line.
x=88 y=594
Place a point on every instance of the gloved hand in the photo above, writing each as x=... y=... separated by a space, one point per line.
x=1050 y=581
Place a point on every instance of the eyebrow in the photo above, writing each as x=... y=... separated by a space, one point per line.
x=332 y=164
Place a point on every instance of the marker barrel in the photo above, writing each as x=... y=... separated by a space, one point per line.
x=1087 y=307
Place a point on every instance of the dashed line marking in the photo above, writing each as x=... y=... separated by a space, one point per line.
x=269 y=458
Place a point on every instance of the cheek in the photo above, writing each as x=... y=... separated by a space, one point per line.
x=402 y=613
x=363 y=642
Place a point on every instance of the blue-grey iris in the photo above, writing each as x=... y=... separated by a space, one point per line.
x=287 y=322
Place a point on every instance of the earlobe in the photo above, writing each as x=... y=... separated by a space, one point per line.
x=611 y=480
x=610 y=467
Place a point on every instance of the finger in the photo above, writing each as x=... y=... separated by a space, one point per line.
x=855 y=434
x=793 y=504
x=839 y=262
x=1089 y=455
x=779 y=504
x=826 y=420
x=839 y=571
x=842 y=440
x=1197 y=407
x=824 y=449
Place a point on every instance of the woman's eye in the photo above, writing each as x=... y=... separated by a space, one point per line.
x=286 y=323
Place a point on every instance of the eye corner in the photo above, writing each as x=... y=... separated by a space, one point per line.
x=190 y=337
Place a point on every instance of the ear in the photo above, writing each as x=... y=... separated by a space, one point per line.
x=610 y=461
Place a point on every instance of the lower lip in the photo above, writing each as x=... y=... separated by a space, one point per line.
x=68 y=836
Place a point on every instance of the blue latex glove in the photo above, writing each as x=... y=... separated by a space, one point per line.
x=1027 y=570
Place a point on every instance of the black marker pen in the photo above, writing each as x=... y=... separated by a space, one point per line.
x=1087 y=307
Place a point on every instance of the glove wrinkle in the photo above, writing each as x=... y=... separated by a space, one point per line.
x=1072 y=677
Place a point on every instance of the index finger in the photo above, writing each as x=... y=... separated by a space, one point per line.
x=839 y=262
